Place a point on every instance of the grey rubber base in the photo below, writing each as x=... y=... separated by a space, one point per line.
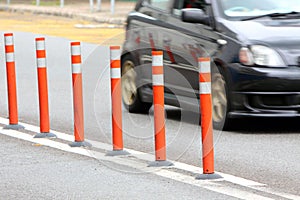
x=13 y=127
x=45 y=135
x=117 y=153
x=80 y=144
x=208 y=176
x=160 y=163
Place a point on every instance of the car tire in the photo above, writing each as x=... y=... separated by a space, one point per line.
x=130 y=91
x=220 y=101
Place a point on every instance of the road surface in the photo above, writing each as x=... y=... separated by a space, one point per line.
x=263 y=150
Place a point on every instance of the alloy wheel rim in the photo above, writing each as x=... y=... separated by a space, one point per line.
x=219 y=99
x=129 y=90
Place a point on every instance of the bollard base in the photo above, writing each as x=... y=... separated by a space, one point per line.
x=14 y=127
x=160 y=163
x=80 y=144
x=208 y=176
x=45 y=135
x=117 y=153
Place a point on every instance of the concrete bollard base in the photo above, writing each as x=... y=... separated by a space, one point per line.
x=80 y=144
x=14 y=127
x=45 y=135
x=208 y=176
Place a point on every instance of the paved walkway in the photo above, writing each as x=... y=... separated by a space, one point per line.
x=78 y=10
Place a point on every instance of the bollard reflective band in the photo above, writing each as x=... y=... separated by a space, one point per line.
x=157 y=76
x=41 y=62
x=157 y=60
x=40 y=45
x=40 y=52
x=115 y=52
x=115 y=55
x=10 y=57
x=76 y=68
x=9 y=40
x=75 y=49
x=204 y=65
x=158 y=80
x=115 y=73
x=205 y=87
x=204 y=76
x=157 y=68
x=76 y=57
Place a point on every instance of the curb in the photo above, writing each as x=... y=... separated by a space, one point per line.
x=86 y=17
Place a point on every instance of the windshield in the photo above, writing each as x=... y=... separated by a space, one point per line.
x=249 y=8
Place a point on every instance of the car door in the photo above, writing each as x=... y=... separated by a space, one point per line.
x=166 y=32
x=190 y=41
x=151 y=26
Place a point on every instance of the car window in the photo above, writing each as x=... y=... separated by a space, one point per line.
x=160 y=4
x=236 y=8
x=180 y=4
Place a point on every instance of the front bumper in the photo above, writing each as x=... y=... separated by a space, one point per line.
x=264 y=92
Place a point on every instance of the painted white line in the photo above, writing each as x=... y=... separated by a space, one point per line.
x=212 y=186
x=134 y=164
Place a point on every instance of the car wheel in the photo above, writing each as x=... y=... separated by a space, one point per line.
x=130 y=91
x=219 y=102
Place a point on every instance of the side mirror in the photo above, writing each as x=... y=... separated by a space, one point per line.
x=194 y=15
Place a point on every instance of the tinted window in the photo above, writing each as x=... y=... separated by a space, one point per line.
x=240 y=8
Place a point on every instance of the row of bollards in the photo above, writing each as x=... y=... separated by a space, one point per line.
x=116 y=97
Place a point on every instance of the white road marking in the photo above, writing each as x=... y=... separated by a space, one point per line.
x=212 y=186
x=215 y=186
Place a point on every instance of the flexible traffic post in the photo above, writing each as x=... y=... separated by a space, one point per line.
x=159 y=110
x=11 y=83
x=116 y=101
x=206 y=120
x=77 y=96
x=43 y=89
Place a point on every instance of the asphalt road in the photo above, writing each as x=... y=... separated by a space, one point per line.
x=263 y=150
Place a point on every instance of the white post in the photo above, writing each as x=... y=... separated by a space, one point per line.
x=8 y=2
x=112 y=6
x=61 y=3
x=91 y=5
x=37 y=2
x=98 y=5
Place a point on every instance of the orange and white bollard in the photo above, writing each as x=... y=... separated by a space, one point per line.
x=116 y=100
x=77 y=96
x=11 y=83
x=159 y=110
x=43 y=89
x=206 y=120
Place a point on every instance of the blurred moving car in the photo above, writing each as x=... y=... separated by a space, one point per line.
x=254 y=46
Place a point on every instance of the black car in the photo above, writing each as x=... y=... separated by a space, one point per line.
x=254 y=46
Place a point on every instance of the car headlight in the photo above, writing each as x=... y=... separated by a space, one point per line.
x=260 y=55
